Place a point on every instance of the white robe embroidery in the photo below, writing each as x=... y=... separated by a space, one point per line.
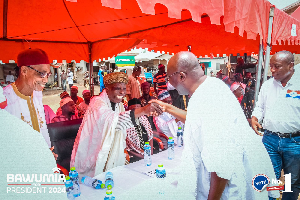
x=27 y=108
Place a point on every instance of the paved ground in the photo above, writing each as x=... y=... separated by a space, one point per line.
x=52 y=98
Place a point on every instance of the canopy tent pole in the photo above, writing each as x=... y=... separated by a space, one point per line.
x=5 y=7
x=267 y=60
x=258 y=72
x=91 y=69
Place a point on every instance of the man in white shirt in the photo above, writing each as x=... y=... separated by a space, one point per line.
x=70 y=79
x=227 y=153
x=278 y=105
x=10 y=78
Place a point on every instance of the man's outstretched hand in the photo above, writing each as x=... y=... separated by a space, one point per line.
x=153 y=109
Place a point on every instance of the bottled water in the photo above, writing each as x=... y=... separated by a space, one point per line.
x=109 y=195
x=147 y=154
x=69 y=188
x=179 y=137
x=75 y=179
x=109 y=182
x=170 y=148
x=97 y=184
x=160 y=172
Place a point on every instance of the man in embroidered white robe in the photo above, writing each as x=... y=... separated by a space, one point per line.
x=24 y=97
x=100 y=142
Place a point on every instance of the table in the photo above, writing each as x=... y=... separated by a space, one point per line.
x=128 y=177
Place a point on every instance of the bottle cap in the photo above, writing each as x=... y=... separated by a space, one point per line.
x=179 y=128
x=102 y=185
x=160 y=165
x=72 y=168
x=109 y=187
x=67 y=178
x=108 y=192
x=146 y=142
x=170 y=138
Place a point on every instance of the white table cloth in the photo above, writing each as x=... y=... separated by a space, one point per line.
x=134 y=182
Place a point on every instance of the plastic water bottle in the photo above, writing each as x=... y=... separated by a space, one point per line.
x=160 y=172
x=75 y=179
x=179 y=137
x=95 y=183
x=170 y=148
x=69 y=188
x=147 y=154
x=109 y=195
x=109 y=182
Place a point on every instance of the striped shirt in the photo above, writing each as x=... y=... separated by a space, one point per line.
x=160 y=80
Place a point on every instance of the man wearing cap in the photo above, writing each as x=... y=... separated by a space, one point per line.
x=82 y=107
x=159 y=79
x=74 y=91
x=67 y=106
x=237 y=90
x=133 y=88
x=145 y=98
x=24 y=96
x=137 y=135
x=100 y=142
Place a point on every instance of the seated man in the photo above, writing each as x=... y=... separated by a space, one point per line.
x=145 y=98
x=68 y=111
x=100 y=142
x=166 y=123
x=82 y=107
x=139 y=134
x=77 y=100
x=63 y=95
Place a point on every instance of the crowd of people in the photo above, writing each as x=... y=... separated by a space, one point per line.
x=217 y=118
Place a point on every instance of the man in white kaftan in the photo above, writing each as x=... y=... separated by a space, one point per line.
x=227 y=153
x=24 y=96
x=27 y=108
x=101 y=139
x=23 y=151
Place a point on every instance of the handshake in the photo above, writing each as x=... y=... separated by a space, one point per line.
x=154 y=108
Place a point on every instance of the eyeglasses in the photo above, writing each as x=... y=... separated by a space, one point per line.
x=168 y=77
x=43 y=75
